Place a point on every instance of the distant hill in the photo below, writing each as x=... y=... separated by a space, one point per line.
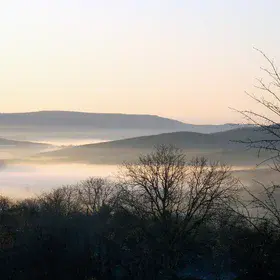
x=66 y=120
x=187 y=140
x=11 y=149
x=217 y=146
x=5 y=143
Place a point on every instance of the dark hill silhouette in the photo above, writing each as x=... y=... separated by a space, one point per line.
x=79 y=120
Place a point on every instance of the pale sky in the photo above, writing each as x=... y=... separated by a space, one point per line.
x=186 y=59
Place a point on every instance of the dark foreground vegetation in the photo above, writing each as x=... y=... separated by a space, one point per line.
x=163 y=218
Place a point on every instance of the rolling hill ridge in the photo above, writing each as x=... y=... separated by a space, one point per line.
x=67 y=119
x=20 y=144
x=219 y=146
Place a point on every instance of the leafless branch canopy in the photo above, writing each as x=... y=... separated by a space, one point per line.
x=269 y=99
x=264 y=207
x=95 y=193
x=88 y=196
x=164 y=185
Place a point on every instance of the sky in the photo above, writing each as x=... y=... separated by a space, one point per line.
x=186 y=59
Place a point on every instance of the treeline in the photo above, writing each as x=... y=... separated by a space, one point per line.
x=164 y=218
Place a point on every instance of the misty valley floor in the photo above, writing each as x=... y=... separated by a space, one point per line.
x=27 y=180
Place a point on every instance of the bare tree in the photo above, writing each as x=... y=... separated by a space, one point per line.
x=268 y=121
x=164 y=184
x=262 y=207
x=5 y=204
x=178 y=194
x=265 y=205
x=153 y=184
x=95 y=193
x=62 y=200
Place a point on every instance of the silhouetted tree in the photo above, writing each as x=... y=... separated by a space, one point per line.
x=94 y=193
x=266 y=121
x=62 y=201
x=174 y=197
x=257 y=257
x=5 y=204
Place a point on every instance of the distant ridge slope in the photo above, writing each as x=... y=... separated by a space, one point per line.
x=20 y=144
x=103 y=121
x=187 y=140
x=97 y=120
x=216 y=146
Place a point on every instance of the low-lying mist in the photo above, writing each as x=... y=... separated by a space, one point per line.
x=26 y=180
x=23 y=180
